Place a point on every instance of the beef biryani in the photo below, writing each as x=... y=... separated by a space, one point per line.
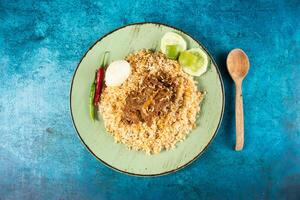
x=155 y=105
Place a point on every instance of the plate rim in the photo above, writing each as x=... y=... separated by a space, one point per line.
x=166 y=172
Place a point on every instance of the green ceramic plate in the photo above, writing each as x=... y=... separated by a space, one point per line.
x=120 y=43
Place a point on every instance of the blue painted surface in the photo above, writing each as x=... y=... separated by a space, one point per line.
x=41 y=43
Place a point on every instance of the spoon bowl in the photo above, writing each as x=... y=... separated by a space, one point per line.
x=238 y=64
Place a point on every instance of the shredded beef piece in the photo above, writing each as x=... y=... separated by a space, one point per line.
x=151 y=99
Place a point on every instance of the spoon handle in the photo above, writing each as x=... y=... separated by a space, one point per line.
x=239 y=117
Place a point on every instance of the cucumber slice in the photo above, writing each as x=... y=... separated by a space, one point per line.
x=171 y=38
x=194 y=61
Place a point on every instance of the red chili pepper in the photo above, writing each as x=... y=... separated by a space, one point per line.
x=99 y=79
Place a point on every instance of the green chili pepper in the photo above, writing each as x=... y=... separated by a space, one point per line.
x=91 y=102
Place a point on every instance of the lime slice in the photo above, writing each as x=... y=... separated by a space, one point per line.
x=172 y=51
x=194 y=61
x=170 y=39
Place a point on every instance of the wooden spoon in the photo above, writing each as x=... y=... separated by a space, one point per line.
x=238 y=67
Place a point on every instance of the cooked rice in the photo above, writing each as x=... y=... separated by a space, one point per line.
x=166 y=130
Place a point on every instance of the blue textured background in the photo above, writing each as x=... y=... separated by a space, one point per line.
x=41 y=43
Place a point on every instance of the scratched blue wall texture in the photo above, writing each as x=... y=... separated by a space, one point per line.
x=41 y=43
